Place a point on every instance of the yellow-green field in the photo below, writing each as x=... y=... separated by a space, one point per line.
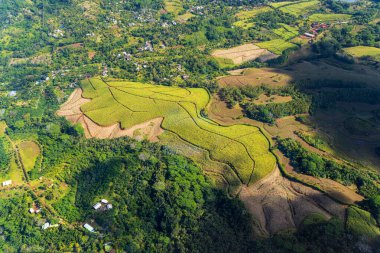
x=276 y=46
x=362 y=51
x=174 y=6
x=297 y=8
x=3 y=126
x=319 y=17
x=244 y=16
x=244 y=148
x=361 y=222
x=286 y=32
x=29 y=151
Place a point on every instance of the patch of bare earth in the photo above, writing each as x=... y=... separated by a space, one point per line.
x=71 y=110
x=244 y=53
x=278 y=204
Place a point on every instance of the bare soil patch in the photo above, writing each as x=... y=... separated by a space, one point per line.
x=278 y=204
x=71 y=110
x=244 y=53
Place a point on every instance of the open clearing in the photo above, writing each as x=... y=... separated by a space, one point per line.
x=319 y=17
x=243 y=53
x=29 y=151
x=245 y=16
x=363 y=51
x=276 y=46
x=3 y=126
x=278 y=204
x=174 y=6
x=244 y=148
x=297 y=8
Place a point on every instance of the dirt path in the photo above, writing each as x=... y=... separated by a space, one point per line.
x=278 y=204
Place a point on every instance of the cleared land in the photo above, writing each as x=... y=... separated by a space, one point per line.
x=243 y=53
x=319 y=17
x=244 y=148
x=363 y=51
x=29 y=151
x=276 y=46
x=278 y=204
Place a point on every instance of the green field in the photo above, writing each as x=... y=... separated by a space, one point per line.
x=244 y=148
x=174 y=6
x=276 y=46
x=245 y=16
x=29 y=151
x=363 y=51
x=286 y=32
x=296 y=8
x=361 y=222
x=319 y=17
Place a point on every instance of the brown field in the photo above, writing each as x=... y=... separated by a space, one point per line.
x=71 y=110
x=278 y=204
x=304 y=71
x=39 y=59
x=244 y=53
x=264 y=99
x=257 y=77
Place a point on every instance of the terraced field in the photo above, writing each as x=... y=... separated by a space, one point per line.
x=297 y=8
x=321 y=17
x=243 y=148
x=363 y=51
x=276 y=46
x=286 y=32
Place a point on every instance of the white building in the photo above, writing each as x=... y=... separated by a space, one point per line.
x=6 y=183
x=97 y=206
x=109 y=206
x=89 y=228
x=31 y=210
x=46 y=225
x=104 y=201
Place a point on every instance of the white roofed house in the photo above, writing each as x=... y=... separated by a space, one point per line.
x=104 y=201
x=46 y=225
x=109 y=206
x=6 y=183
x=89 y=228
x=97 y=206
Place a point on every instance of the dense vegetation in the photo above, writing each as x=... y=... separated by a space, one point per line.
x=162 y=202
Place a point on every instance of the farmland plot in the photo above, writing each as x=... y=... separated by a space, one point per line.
x=276 y=46
x=243 y=148
x=241 y=54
